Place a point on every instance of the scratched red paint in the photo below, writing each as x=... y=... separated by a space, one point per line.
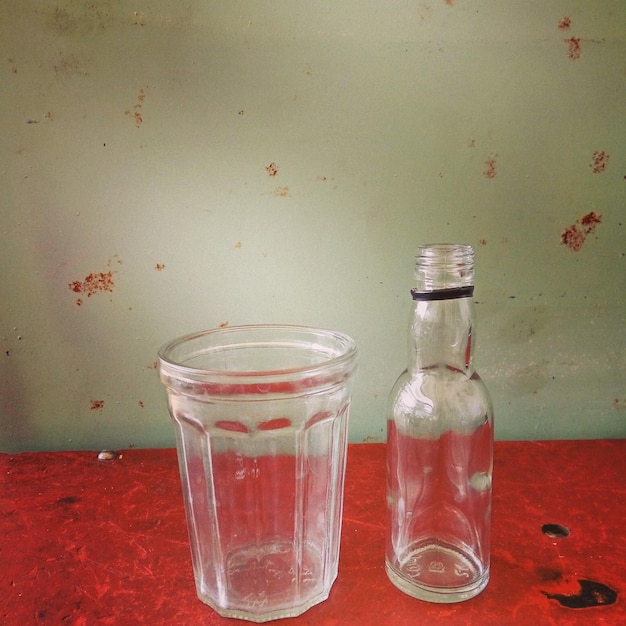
x=97 y=405
x=599 y=161
x=93 y=283
x=565 y=23
x=573 y=48
x=574 y=236
x=128 y=518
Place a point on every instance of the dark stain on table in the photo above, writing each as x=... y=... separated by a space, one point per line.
x=589 y=594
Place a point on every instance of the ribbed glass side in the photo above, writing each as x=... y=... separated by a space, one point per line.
x=262 y=457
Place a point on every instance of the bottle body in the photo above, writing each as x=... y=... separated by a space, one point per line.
x=440 y=447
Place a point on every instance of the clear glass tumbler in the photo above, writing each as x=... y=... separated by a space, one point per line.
x=261 y=416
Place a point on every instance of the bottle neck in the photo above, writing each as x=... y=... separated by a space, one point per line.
x=441 y=334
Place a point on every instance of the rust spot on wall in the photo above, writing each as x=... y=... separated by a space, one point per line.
x=272 y=169
x=590 y=221
x=238 y=245
x=223 y=324
x=482 y=242
x=136 y=113
x=281 y=192
x=93 y=283
x=159 y=267
x=573 y=48
x=68 y=65
x=490 y=167
x=565 y=23
x=574 y=236
x=141 y=404
x=599 y=161
x=153 y=365
x=97 y=405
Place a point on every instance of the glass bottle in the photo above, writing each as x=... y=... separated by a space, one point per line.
x=440 y=440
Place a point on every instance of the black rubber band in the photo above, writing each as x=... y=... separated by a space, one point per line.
x=444 y=294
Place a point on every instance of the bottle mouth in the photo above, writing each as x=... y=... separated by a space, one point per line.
x=444 y=266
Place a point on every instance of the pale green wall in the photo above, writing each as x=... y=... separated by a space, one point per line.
x=381 y=118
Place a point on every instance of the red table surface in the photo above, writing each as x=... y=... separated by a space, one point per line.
x=85 y=541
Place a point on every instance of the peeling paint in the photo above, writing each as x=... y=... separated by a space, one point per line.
x=574 y=50
x=574 y=236
x=93 y=283
x=490 y=170
x=599 y=161
x=565 y=23
x=137 y=111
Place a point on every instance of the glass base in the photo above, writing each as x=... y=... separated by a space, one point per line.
x=260 y=618
x=262 y=583
x=438 y=573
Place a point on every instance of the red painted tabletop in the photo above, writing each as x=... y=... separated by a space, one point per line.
x=86 y=541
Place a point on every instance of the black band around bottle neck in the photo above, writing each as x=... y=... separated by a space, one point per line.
x=443 y=294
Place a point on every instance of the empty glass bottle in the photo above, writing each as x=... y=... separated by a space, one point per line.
x=440 y=440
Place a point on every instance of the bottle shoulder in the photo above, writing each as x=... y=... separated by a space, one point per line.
x=444 y=394
x=439 y=375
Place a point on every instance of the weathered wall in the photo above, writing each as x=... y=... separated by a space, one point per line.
x=173 y=166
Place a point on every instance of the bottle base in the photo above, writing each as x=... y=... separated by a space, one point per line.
x=433 y=573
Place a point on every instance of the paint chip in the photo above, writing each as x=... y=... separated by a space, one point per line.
x=574 y=50
x=574 y=236
x=490 y=170
x=565 y=23
x=93 y=283
x=599 y=161
x=272 y=169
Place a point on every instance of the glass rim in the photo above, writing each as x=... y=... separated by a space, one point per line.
x=346 y=344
